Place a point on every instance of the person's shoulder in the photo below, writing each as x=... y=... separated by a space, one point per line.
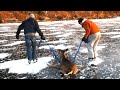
x=34 y=20
x=24 y=20
x=88 y=21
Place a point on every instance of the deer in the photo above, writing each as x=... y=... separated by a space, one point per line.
x=66 y=67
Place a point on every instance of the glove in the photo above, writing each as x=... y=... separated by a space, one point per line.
x=17 y=36
x=85 y=40
x=42 y=37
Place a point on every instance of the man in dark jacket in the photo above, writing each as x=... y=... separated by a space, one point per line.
x=30 y=27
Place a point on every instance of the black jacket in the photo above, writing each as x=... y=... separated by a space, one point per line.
x=29 y=25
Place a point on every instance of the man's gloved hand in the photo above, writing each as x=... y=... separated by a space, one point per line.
x=17 y=36
x=42 y=37
x=85 y=40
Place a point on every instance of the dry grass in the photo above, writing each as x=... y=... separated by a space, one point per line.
x=6 y=16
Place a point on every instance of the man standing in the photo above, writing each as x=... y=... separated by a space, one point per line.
x=30 y=27
x=91 y=37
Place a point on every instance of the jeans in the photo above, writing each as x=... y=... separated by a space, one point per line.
x=30 y=47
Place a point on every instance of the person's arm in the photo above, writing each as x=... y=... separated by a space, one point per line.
x=39 y=31
x=86 y=26
x=19 y=29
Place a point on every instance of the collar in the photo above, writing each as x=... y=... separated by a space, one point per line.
x=84 y=20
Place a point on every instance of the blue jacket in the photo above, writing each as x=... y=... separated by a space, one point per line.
x=29 y=25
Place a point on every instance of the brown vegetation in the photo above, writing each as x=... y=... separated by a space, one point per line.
x=18 y=16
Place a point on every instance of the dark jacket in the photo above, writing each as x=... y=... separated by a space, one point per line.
x=29 y=25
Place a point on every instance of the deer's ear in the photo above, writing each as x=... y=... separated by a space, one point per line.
x=66 y=49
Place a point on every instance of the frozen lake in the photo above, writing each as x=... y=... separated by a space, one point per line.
x=59 y=35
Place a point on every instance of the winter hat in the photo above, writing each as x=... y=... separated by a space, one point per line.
x=32 y=15
x=80 y=20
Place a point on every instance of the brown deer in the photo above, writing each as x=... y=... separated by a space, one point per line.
x=66 y=67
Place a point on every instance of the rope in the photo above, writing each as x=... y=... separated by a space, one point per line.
x=39 y=43
x=54 y=54
x=77 y=52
